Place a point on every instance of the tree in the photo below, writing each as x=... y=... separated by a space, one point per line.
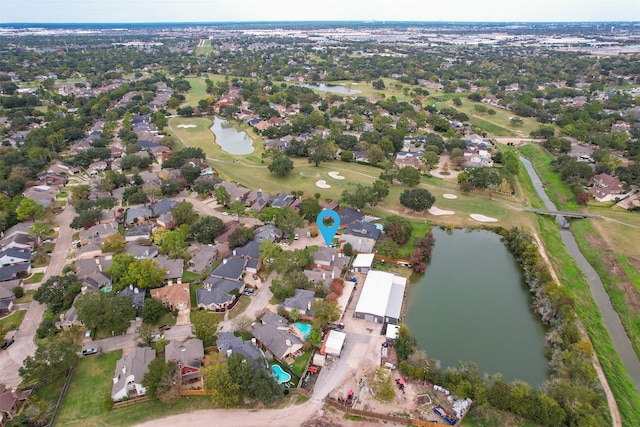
x=241 y=323
x=190 y=173
x=483 y=177
x=152 y=310
x=183 y=213
x=29 y=210
x=346 y=156
x=58 y=292
x=516 y=122
x=288 y=220
x=119 y=267
x=264 y=387
x=146 y=334
x=237 y=208
x=53 y=358
x=146 y=273
x=203 y=186
x=430 y=159
x=281 y=165
x=409 y=175
x=222 y=196
x=38 y=411
x=217 y=381
x=174 y=244
x=398 y=229
x=205 y=326
x=170 y=187
x=309 y=209
x=155 y=380
x=347 y=249
x=86 y=219
x=241 y=371
x=115 y=244
x=417 y=199
x=269 y=251
x=207 y=229
x=378 y=84
x=240 y=237
x=375 y=154
x=325 y=313
x=106 y=311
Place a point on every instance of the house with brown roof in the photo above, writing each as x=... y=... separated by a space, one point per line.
x=188 y=355
x=10 y=398
x=174 y=296
x=606 y=188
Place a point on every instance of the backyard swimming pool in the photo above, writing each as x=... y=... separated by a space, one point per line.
x=304 y=329
x=280 y=375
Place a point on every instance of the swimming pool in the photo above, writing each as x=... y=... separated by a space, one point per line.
x=280 y=375
x=304 y=329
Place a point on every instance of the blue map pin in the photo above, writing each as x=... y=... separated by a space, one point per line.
x=328 y=232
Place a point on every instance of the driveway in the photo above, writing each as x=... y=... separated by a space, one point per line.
x=259 y=300
x=11 y=359
x=205 y=207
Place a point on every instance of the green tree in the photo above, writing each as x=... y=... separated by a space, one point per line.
x=152 y=310
x=183 y=213
x=405 y=344
x=29 y=210
x=288 y=219
x=157 y=375
x=516 y=122
x=264 y=387
x=38 y=411
x=54 y=357
x=409 y=175
x=119 y=266
x=347 y=249
x=398 y=229
x=146 y=273
x=346 y=156
x=58 y=292
x=241 y=370
x=174 y=244
x=417 y=199
x=430 y=159
x=190 y=173
x=205 y=326
x=269 y=251
x=281 y=166
x=207 y=229
x=222 y=196
x=115 y=244
x=224 y=391
x=325 y=313
x=106 y=311
x=203 y=186
x=309 y=209
x=237 y=208
x=375 y=155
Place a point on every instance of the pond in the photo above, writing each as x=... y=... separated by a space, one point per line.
x=333 y=89
x=472 y=305
x=230 y=139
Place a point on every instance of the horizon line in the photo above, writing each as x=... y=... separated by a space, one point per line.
x=303 y=21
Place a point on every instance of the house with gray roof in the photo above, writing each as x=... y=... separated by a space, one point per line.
x=139 y=232
x=135 y=294
x=20 y=241
x=218 y=294
x=281 y=200
x=173 y=268
x=11 y=272
x=302 y=300
x=163 y=206
x=231 y=268
x=361 y=235
x=188 y=355
x=130 y=370
x=6 y=300
x=268 y=232
x=69 y=319
x=229 y=344
x=141 y=251
x=236 y=193
x=143 y=213
x=13 y=256
x=326 y=258
x=203 y=259
x=275 y=336
x=101 y=230
x=250 y=250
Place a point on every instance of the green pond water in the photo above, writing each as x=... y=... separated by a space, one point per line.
x=472 y=305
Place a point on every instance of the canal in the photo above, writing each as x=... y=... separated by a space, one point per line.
x=230 y=139
x=472 y=305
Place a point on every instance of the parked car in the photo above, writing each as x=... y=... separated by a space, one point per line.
x=164 y=327
x=256 y=277
x=89 y=351
x=7 y=343
x=156 y=337
x=296 y=237
x=248 y=291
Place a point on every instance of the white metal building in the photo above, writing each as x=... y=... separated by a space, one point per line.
x=333 y=343
x=381 y=297
x=363 y=262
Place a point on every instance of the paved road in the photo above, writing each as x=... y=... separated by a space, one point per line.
x=259 y=300
x=130 y=339
x=206 y=209
x=11 y=359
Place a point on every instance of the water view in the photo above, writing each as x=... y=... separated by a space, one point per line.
x=333 y=89
x=472 y=305
x=230 y=139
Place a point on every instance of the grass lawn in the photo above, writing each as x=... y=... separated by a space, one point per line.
x=35 y=278
x=301 y=363
x=198 y=91
x=240 y=307
x=89 y=388
x=12 y=322
x=217 y=317
x=192 y=293
x=166 y=319
x=27 y=297
x=501 y=120
x=189 y=276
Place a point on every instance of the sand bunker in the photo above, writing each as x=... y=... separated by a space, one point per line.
x=186 y=126
x=335 y=175
x=482 y=218
x=437 y=211
x=450 y=196
x=322 y=184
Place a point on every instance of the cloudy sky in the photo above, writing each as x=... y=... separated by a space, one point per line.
x=300 y=10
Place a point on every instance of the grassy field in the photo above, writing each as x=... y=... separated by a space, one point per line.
x=91 y=385
x=198 y=91
x=27 y=297
x=12 y=322
x=240 y=307
x=205 y=49
x=502 y=118
x=35 y=278
x=190 y=276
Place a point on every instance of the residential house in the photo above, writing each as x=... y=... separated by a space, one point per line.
x=6 y=300
x=69 y=319
x=326 y=258
x=174 y=296
x=258 y=200
x=281 y=200
x=140 y=232
x=141 y=251
x=275 y=336
x=19 y=241
x=188 y=355
x=92 y=273
x=63 y=168
x=349 y=215
x=268 y=232
x=166 y=220
x=302 y=300
x=90 y=249
x=251 y=253
x=323 y=276
x=173 y=268
x=43 y=194
x=228 y=230
x=13 y=256
x=12 y=272
x=236 y=193
x=150 y=178
x=229 y=344
x=361 y=235
x=50 y=178
x=138 y=214
x=135 y=294
x=218 y=294
x=130 y=370
x=97 y=167
x=163 y=206
x=10 y=398
x=606 y=188
x=363 y=263
x=231 y=268
x=205 y=169
x=203 y=259
x=98 y=231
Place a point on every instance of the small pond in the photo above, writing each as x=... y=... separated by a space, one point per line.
x=333 y=89
x=230 y=139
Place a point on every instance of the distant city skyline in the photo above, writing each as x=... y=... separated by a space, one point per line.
x=140 y=11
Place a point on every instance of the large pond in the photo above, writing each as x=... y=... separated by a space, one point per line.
x=230 y=139
x=333 y=89
x=472 y=305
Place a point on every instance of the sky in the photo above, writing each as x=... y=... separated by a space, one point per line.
x=122 y=11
